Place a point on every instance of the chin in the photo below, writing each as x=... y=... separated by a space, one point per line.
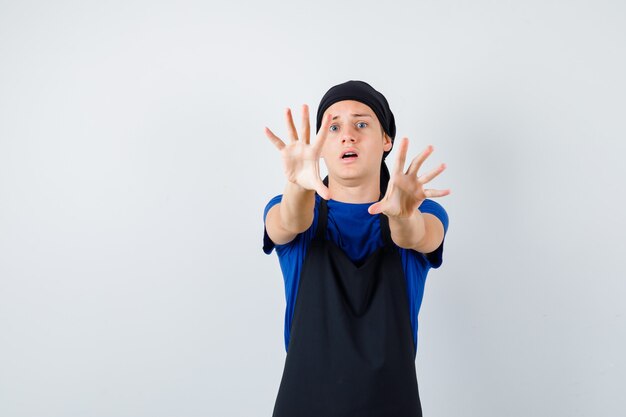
x=350 y=176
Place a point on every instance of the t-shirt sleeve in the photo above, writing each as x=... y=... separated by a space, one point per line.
x=435 y=258
x=268 y=245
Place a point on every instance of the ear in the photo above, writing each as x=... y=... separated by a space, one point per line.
x=387 y=144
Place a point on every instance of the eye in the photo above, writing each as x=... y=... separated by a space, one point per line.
x=362 y=123
x=331 y=128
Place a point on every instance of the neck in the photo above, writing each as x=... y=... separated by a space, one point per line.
x=347 y=192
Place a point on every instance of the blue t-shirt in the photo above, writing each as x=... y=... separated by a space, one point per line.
x=357 y=233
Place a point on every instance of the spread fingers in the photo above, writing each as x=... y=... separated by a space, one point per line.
x=291 y=128
x=274 y=139
x=306 y=127
x=432 y=174
x=416 y=163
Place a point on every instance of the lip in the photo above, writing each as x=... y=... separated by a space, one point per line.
x=346 y=151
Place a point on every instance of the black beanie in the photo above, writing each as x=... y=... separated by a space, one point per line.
x=366 y=94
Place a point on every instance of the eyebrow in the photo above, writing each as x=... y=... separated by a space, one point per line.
x=356 y=115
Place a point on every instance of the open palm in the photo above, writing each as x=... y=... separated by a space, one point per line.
x=300 y=157
x=405 y=191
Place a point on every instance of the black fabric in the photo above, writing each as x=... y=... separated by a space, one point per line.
x=351 y=350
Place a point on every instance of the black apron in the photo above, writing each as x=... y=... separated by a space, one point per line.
x=351 y=350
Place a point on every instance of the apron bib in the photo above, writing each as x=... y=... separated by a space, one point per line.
x=351 y=350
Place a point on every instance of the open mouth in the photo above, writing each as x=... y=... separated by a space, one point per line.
x=349 y=155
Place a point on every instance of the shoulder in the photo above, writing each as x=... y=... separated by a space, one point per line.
x=432 y=207
x=299 y=240
x=273 y=201
x=436 y=213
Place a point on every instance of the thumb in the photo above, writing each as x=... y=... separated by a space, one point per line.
x=376 y=208
x=322 y=190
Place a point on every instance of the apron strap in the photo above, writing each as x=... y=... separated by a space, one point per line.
x=321 y=221
x=384 y=230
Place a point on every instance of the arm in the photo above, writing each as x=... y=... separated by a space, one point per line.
x=294 y=214
x=410 y=228
x=422 y=232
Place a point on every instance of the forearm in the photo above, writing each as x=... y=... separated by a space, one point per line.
x=296 y=208
x=407 y=232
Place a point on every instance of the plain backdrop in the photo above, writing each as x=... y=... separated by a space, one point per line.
x=134 y=172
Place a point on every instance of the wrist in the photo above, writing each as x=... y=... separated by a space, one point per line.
x=406 y=231
x=407 y=216
x=296 y=188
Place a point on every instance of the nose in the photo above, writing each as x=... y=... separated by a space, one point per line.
x=348 y=138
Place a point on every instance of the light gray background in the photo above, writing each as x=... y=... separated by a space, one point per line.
x=134 y=172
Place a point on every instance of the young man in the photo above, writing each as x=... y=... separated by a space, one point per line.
x=354 y=251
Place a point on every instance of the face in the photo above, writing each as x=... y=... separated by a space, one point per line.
x=355 y=143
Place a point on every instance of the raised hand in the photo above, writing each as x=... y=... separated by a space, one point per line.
x=405 y=191
x=300 y=158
